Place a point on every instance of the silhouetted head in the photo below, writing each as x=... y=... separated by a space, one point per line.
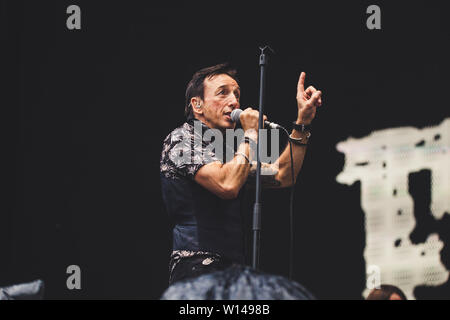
x=386 y=292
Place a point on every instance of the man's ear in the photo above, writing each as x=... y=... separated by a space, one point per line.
x=196 y=105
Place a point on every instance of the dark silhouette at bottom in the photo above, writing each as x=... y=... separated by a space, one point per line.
x=237 y=283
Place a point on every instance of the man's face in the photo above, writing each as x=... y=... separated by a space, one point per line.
x=220 y=96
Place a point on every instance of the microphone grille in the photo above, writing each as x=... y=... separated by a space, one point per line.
x=235 y=114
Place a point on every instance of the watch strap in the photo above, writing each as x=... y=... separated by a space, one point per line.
x=302 y=127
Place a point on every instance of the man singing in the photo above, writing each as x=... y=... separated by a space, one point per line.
x=203 y=195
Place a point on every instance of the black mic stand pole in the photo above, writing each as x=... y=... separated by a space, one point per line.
x=263 y=61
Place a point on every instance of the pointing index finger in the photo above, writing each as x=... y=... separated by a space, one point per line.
x=301 y=83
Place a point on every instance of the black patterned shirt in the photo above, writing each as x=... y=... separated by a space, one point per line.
x=203 y=222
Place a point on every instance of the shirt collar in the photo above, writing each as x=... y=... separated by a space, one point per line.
x=191 y=120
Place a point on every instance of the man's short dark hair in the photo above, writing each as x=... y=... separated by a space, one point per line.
x=195 y=87
x=385 y=292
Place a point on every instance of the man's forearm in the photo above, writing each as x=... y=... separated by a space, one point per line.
x=284 y=161
x=235 y=172
x=226 y=179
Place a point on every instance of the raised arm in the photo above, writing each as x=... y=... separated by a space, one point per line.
x=307 y=102
x=279 y=174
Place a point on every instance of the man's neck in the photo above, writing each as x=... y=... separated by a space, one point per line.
x=209 y=126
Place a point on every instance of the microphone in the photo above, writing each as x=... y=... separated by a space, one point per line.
x=236 y=113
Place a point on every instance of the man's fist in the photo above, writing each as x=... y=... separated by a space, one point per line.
x=249 y=120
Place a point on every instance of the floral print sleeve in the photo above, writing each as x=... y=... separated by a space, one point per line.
x=185 y=152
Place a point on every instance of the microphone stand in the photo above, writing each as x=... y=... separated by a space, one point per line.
x=263 y=61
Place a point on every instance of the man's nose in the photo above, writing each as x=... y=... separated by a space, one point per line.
x=234 y=102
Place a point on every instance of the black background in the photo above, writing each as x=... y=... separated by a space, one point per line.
x=84 y=114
